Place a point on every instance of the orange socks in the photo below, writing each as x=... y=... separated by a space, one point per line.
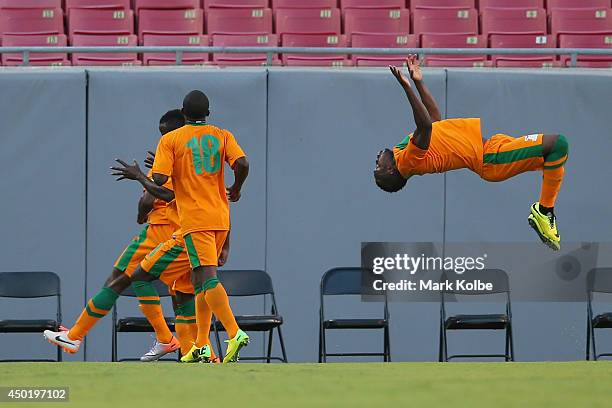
x=151 y=308
x=97 y=307
x=211 y=296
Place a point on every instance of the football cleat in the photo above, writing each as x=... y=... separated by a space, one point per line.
x=234 y=345
x=62 y=340
x=161 y=349
x=545 y=225
x=197 y=355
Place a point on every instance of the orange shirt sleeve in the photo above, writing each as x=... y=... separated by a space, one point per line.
x=233 y=151
x=164 y=157
x=414 y=152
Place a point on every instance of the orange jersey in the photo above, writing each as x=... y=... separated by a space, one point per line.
x=157 y=216
x=455 y=144
x=194 y=157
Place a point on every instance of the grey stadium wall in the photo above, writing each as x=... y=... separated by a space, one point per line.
x=311 y=136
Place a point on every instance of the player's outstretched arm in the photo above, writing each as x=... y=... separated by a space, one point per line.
x=241 y=171
x=133 y=172
x=422 y=134
x=426 y=97
x=145 y=205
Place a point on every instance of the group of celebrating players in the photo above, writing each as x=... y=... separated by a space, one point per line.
x=186 y=207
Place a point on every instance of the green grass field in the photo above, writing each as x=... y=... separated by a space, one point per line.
x=472 y=385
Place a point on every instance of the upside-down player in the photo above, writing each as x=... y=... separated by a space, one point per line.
x=438 y=146
x=194 y=156
x=159 y=229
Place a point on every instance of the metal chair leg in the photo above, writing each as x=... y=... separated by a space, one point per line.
x=320 y=345
x=59 y=355
x=511 y=343
x=324 y=345
x=445 y=344
x=440 y=344
x=282 y=344
x=388 y=343
x=270 y=340
x=114 y=345
x=593 y=340
x=507 y=349
x=588 y=340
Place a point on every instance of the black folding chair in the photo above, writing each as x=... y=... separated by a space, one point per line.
x=137 y=324
x=347 y=281
x=253 y=283
x=479 y=321
x=31 y=285
x=599 y=280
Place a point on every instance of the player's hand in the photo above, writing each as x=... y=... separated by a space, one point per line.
x=224 y=255
x=399 y=76
x=414 y=67
x=148 y=161
x=233 y=194
x=142 y=218
x=130 y=172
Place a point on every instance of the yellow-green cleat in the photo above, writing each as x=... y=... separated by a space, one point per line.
x=197 y=355
x=545 y=225
x=234 y=345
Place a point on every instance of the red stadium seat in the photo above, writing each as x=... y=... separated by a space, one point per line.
x=313 y=40
x=26 y=4
x=577 y=4
x=34 y=21
x=100 y=21
x=244 y=40
x=513 y=21
x=186 y=22
x=239 y=21
x=523 y=41
x=575 y=21
x=449 y=4
x=587 y=41
x=104 y=59
x=236 y=4
x=307 y=21
x=524 y=4
x=103 y=4
x=381 y=41
x=323 y=62
x=165 y=4
x=454 y=41
x=445 y=21
x=387 y=4
x=174 y=40
x=377 y=21
x=317 y=4
x=19 y=40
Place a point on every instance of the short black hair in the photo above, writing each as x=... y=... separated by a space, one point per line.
x=196 y=105
x=173 y=119
x=391 y=181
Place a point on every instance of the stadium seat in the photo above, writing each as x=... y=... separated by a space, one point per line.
x=577 y=4
x=174 y=40
x=314 y=40
x=34 y=21
x=244 y=40
x=254 y=284
x=165 y=4
x=100 y=21
x=307 y=21
x=376 y=21
x=386 y=4
x=186 y=22
x=104 y=59
x=523 y=41
x=445 y=21
x=524 y=4
x=500 y=321
x=587 y=41
x=239 y=21
x=236 y=4
x=44 y=40
x=31 y=285
x=513 y=21
x=381 y=41
x=347 y=282
x=454 y=41
x=26 y=4
x=576 y=21
x=316 y=4
x=447 y=4
x=599 y=281
x=136 y=324
x=103 y=4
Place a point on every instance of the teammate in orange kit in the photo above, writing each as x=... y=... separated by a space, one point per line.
x=438 y=146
